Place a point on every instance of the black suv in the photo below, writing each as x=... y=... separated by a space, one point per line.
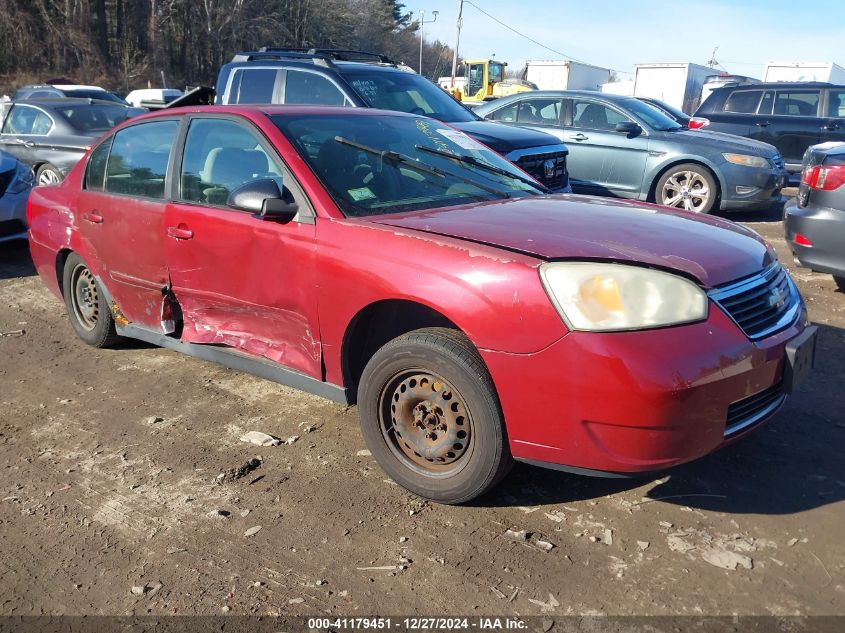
x=791 y=116
x=368 y=80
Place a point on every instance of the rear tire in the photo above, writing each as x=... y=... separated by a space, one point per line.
x=86 y=304
x=430 y=416
x=840 y=282
x=687 y=186
x=48 y=175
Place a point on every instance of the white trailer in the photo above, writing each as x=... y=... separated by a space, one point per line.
x=804 y=71
x=678 y=85
x=564 y=75
x=624 y=87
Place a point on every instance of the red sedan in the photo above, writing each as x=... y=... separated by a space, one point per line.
x=390 y=260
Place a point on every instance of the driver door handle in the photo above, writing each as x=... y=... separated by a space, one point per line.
x=180 y=232
x=579 y=137
x=762 y=124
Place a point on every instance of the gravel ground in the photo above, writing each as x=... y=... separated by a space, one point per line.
x=110 y=504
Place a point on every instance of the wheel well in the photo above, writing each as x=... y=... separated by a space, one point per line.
x=652 y=192
x=374 y=326
x=61 y=259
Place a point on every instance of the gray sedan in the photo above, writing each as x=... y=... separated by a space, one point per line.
x=620 y=146
x=52 y=135
x=16 y=180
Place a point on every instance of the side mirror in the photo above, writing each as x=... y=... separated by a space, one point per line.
x=629 y=128
x=265 y=200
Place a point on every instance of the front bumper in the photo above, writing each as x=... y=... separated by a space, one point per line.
x=748 y=188
x=825 y=228
x=632 y=402
x=13 y=216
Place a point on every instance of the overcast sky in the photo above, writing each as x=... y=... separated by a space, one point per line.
x=620 y=33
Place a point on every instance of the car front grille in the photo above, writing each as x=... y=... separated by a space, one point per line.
x=5 y=178
x=553 y=175
x=745 y=413
x=762 y=304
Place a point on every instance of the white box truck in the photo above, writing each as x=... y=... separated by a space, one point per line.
x=804 y=71
x=624 y=87
x=678 y=85
x=564 y=75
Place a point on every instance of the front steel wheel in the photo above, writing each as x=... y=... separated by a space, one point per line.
x=431 y=417
x=689 y=187
x=426 y=423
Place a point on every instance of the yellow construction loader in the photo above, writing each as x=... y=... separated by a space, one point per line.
x=485 y=81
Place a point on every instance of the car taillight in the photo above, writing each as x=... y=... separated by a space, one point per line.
x=824 y=177
x=803 y=240
x=696 y=123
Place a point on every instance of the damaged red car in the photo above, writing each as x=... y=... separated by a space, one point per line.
x=389 y=260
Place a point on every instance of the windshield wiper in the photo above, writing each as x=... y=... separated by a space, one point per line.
x=472 y=160
x=425 y=168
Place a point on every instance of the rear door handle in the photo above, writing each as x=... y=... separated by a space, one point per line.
x=762 y=124
x=579 y=137
x=831 y=126
x=180 y=232
x=93 y=217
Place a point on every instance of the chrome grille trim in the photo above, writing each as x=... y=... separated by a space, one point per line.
x=753 y=409
x=751 y=302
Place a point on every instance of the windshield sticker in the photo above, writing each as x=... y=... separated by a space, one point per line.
x=461 y=140
x=363 y=193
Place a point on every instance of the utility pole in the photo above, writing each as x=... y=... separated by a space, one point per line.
x=423 y=22
x=457 y=42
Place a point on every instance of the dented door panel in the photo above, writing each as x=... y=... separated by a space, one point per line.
x=246 y=283
x=127 y=236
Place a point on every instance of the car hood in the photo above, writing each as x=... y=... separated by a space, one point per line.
x=722 y=142
x=709 y=249
x=505 y=138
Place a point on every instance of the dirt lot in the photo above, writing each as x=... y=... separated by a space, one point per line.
x=109 y=459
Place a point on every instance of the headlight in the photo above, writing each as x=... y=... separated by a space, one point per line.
x=609 y=297
x=23 y=179
x=747 y=160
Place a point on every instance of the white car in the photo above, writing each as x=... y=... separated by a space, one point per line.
x=152 y=97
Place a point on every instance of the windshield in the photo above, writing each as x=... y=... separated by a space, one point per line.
x=373 y=165
x=654 y=118
x=93 y=117
x=407 y=92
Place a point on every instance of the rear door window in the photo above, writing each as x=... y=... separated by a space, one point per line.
x=797 y=103
x=836 y=103
x=137 y=165
x=302 y=87
x=26 y=120
x=256 y=85
x=743 y=101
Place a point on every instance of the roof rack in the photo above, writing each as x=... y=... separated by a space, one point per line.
x=326 y=54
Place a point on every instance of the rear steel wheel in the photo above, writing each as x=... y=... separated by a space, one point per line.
x=48 y=175
x=86 y=304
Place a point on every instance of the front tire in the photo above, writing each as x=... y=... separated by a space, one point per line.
x=430 y=416
x=687 y=186
x=48 y=175
x=86 y=304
